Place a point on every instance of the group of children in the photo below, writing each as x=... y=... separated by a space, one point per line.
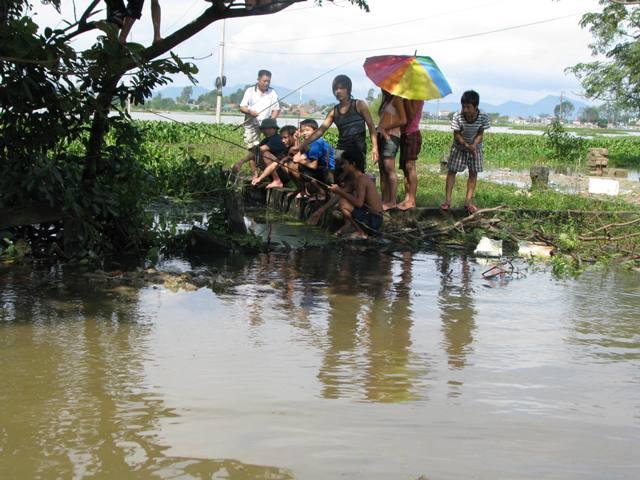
x=304 y=158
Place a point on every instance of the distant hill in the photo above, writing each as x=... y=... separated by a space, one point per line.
x=510 y=108
x=283 y=92
x=174 y=92
x=516 y=109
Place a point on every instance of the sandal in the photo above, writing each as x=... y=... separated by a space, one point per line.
x=471 y=208
x=444 y=207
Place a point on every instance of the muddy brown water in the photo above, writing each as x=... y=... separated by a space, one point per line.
x=322 y=364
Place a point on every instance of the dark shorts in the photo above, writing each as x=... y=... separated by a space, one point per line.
x=133 y=8
x=370 y=222
x=388 y=148
x=410 y=145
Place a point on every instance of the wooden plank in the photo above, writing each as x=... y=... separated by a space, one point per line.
x=29 y=215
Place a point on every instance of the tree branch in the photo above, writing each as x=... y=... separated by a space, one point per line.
x=216 y=12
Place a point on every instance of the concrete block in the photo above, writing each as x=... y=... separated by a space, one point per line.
x=488 y=248
x=604 y=186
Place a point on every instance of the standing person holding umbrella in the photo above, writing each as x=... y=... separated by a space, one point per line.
x=415 y=79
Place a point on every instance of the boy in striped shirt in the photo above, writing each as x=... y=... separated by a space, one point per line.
x=468 y=127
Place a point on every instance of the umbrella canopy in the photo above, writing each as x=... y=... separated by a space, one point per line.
x=407 y=76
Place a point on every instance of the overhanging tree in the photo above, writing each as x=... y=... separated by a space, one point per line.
x=55 y=105
x=615 y=77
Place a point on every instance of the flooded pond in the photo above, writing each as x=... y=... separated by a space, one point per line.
x=322 y=364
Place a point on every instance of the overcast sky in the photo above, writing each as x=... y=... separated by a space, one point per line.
x=521 y=63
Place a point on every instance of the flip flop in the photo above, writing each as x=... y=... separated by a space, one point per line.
x=471 y=208
x=444 y=207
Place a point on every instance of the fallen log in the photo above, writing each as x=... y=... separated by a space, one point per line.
x=29 y=215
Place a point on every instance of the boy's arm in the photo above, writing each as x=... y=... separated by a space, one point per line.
x=358 y=200
x=302 y=159
x=478 y=138
x=363 y=109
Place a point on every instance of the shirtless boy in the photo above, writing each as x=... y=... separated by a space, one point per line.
x=361 y=208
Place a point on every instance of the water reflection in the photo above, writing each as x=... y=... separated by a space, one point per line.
x=74 y=400
x=309 y=360
x=457 y=310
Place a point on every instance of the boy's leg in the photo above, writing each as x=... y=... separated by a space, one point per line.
x=383 y=178
x=410 y=185
x=391 y=179
x=155 y=18
x=451 y=180
x=271 y=161
x=269 y=169
x=346 y=208
x=247 y=158
x=471 y=187
x=410 y=146
x=134 y=12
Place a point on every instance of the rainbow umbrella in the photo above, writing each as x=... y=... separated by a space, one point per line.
x=407 y=76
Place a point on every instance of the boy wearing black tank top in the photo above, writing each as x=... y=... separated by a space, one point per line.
x=353 y=119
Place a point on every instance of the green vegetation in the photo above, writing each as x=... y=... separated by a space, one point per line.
x=613 y=77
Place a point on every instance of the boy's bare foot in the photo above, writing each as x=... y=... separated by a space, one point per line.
x=388 y=206
x=275 y=184
x=157 y=39
x=404 y=206
x=358 y=236
x=345 y=229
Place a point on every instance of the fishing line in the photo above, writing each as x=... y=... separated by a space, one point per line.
x=296 y=90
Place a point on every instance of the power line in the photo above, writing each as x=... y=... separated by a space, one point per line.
x=368 y=29
x=412 y=45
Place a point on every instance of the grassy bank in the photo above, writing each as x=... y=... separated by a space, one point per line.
x=223 y=144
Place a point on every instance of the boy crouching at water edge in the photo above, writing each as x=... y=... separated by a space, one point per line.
x=468 y=128
x=316 y=163
x=271 y=151
x=361 y=208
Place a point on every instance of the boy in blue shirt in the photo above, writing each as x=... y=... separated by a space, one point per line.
x=317 y=162
x=468 y=128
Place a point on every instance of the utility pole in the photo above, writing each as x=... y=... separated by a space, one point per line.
x=561 y=106
x=221 y=81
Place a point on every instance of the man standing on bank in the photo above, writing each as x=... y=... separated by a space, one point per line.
x=260 y=101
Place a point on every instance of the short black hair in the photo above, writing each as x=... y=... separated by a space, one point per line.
x=470 y=97
x=344 y=81
x=311 y=122
x=346 y=157
x=264 y=73
x=290 y=129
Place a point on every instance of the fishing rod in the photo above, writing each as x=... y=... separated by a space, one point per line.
x=293 y=91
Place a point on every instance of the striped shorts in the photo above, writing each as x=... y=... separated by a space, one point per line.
x=461 y=159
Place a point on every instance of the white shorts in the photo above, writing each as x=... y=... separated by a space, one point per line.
x=251 y=135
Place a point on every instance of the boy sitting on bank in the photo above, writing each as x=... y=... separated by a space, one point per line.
x=468 y=128
x=317 y=163
x=271 y=151
x=361 y=208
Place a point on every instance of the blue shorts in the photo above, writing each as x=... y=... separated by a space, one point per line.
x=371 y=222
